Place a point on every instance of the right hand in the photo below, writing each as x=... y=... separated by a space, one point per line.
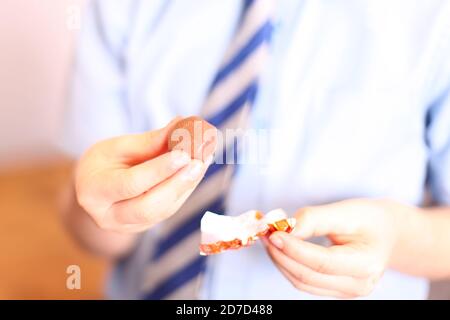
x=130 y=183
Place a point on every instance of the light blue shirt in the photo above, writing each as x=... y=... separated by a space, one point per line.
x=359 y=89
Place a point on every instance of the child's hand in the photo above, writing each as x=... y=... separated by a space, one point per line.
x=364 y=234
x=130 y=183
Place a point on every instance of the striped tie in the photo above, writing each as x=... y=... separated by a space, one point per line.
x=176 y=267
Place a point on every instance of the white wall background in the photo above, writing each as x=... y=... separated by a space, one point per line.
x=36 y=40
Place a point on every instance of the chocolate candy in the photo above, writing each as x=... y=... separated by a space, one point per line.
x=194 y=136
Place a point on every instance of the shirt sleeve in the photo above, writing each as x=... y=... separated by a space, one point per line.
x=96 y=107
x=438 y=139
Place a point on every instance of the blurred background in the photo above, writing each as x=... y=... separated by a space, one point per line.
x=35 y=61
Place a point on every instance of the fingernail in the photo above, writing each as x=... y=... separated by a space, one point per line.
x=276 y=241
x=179 y=158
x=194 y=172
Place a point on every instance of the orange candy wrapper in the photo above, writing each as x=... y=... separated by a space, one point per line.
x=221 y=233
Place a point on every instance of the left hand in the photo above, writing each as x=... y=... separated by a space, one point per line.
x=364 y=234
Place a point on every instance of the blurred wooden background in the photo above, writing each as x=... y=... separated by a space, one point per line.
x=35 y=249
x=35 y=60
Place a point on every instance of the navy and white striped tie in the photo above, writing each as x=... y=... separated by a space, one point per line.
x=176 y=267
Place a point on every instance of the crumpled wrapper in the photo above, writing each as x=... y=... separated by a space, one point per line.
x=221 y=233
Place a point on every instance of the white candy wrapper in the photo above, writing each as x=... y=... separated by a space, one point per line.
x=221 y=233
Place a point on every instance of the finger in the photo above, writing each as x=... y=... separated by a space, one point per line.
x=337 y=260
x=346 y=285
x=130 y=228
x=336 y=218
x=308 y=288
x=161 y=201
x=136 y=148
x=131 y=182
x=311 y=289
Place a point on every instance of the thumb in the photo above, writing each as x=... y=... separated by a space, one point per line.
x=337 y=219
x=136 y=148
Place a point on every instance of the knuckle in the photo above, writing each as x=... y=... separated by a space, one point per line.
x=142 y=216
x=303 y=276
x=84 y=199
x=151 y=211
x=364 y=289
x=297 y=285
x=324 y=265
x=303 y=213
x=368 y=290
x=373 y=269
x=128 y=183
x=102 y=224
